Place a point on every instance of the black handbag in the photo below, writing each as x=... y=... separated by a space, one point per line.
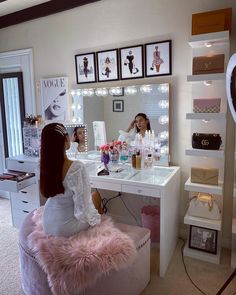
x=206 y=141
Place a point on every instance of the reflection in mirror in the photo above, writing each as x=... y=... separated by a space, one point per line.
x=78 y=137
x=231 y=85
x=98 y=105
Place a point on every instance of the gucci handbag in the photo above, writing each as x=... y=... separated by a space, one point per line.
x=205 y=206
x=206 y=105
x=204 y=175
x=206 y=141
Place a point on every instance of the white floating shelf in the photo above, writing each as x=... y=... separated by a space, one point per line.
x=205 y=188
x=204 y=256
x=208 y=77
x=205 y=116
x=205 y=153
x=203 y=222
x=217 y=38
x=234 y=226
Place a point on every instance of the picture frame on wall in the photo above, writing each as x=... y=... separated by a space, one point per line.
x=203 y=239
x=131 y=62
x=118 y=105
x=107 y=65
x=158 y=58
x=85 y=68
x=54 y=96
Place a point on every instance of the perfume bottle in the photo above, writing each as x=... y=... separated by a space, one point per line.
x=138 y=160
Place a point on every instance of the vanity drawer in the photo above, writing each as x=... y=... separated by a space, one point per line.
x=106 y=185
x=18 y=216
x=14 y=186
x=25 y=201
x=21 y=165
x=138 y=190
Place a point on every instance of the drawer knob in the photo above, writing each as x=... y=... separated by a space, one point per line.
x=21 y=162
x=25 y=211
x=23 y=192
x=25 y=202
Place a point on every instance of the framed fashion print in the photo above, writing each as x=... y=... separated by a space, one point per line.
x=85 y=68
x=118 y=105
x=107 y=65
x=54 y=97
x=203 y=239
x=158 y=58
x=131 y=62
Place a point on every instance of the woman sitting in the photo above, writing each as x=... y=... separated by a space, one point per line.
x=69 y=207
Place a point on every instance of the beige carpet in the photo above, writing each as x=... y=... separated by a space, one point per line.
x=209 y=277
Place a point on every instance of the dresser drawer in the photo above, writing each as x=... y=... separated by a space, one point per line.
x=15 y=186
x=106 y=185
x=18 y=217
x=28 y=203
x=139 y=190
x=21 y=165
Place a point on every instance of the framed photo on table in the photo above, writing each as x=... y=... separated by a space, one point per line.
x=118 y=105
x=107 y=65
x=131 y=62
x=85 y=68
x=203 y=239
x=158 y=58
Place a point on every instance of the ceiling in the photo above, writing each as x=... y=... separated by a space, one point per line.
x=13 y=12
x=11 y=6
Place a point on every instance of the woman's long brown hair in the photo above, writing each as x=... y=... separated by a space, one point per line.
x=52 y=159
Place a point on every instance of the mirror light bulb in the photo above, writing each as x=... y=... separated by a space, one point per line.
x=72 y=92
x=73 y=106
x=163 y=104
x=73 y=120
x=130 y=90
x=79 y=107
x=145 y=88
x=78 y=92
x=163 y=120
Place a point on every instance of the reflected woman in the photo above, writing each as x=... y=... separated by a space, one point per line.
x=139 y=125
x=79 y=137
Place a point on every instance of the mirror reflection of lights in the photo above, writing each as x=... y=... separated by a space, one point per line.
x=88 y=92
x=163 y=120
x=79 y=120
x=73 y=106
x=164 y=150
x=115 y=91
x=145 y=88
x=163 y=88
x=101 y=92
x=207 y=83
x=79 y=107
x=72 y=92
x=78 y=92
x=73 y=120
x=130 y=90
x=163 y=104
x=164 y=135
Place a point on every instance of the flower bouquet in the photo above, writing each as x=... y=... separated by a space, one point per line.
x=111 y=151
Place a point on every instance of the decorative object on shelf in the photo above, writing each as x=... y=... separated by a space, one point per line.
x=118 y=105
x=131 y=62
x=205 y=175
x=206 y=105
x=85 y=68
x=107 y=65
x=205 y=206
x=32 y=120
x=208 y=64
x=32 y=140
x=206 y=141
x=203 y=239
x=212 y=21
x=158 y=58
x=54 y=92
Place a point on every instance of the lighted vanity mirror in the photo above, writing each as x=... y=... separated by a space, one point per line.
x=231 y=85
x=78 y=138
x=118 y=106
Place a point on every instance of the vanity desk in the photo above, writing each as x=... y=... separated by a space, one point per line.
x=156 y=182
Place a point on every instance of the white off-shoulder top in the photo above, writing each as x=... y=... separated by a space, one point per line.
x=68 y=213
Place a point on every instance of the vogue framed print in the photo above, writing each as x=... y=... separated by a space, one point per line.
x=107 y=65
x=131 y=62
x=158 y=58
x=85 y=68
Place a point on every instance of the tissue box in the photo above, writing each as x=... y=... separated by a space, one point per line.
x=212 y=21
x=208 y=65
x=205 y=105
x=205 y=175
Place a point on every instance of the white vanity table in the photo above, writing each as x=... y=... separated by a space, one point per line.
x=157 y=182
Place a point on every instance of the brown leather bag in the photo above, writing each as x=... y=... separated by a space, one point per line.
x=208 y=65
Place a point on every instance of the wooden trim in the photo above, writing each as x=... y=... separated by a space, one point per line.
x=40 y=10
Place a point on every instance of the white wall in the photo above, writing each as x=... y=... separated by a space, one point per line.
x=111 y=24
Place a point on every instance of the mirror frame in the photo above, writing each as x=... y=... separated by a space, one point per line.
x=73 y=151
x=230 y=87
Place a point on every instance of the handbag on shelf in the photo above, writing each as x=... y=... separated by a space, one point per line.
x=208 y=64
x=206 y=141
x=205 y=206
x=205 y=175
x=205 y=105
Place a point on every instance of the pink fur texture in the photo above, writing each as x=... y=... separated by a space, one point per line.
x=72 y=264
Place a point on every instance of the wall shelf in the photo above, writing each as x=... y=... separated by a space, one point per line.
x=205 y=153
x=216 y=38
x=203 y=222
x=208 y=77
x=205 y=116
x=198 y=187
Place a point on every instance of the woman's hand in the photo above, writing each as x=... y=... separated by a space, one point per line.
x=131 y=126
x=97 y=201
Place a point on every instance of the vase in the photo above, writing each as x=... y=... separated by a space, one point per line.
x=114 y=157
x=105 y=158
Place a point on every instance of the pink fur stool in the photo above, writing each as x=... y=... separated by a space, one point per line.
x=129 y=281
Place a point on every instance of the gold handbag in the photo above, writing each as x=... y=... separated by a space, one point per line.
x=205 y=176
